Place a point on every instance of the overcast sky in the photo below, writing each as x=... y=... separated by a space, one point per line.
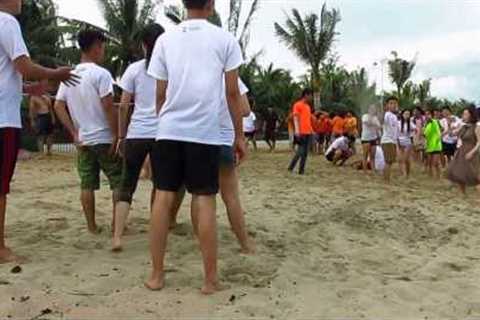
x=444 y=33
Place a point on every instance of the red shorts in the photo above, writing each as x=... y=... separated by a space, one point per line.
x=9 y=146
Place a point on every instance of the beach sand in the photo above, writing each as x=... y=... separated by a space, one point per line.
x=331 y=245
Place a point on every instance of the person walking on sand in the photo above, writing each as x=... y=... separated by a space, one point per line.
x=250 y=129
x=302 y=119
x=187 y=148
x=464 y=169
x=15 y=63
x=271 y=125
x=433 y=143
x=228 y=178
x=42 y=120
x=450 y=125
x=137 y=128
x=390 y=137
x=371 y=129
x=93 y=122
x=405 y=141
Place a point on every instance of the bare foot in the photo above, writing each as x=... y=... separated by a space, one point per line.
x=210 y=288
x=155 y=283
x=95 y=230
x=7 y=256
x=117 y=245
x=248 y=249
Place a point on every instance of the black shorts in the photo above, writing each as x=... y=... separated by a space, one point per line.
x=449 y=149
x=330 y=155
x=44 y=125
x=9 y=147
x=434 y=152
x=135 y=153
x=270 y=135
x=227 y=157
x=178 y=163
x=250 y=135
x=372 y=143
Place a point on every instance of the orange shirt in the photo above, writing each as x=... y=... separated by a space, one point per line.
x=324 y=125
x=338 y=123
x=350 y=126
x=302 y=110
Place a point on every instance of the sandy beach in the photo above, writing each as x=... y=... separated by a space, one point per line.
x=331 y=245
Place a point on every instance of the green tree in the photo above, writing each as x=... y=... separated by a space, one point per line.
x=400 y=70
x=361 y=94
x=423 y=91
x=124 y=20
x=310 y=37
x=41 y=31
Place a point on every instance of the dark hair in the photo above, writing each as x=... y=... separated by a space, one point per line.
x=195 y=4
x=391 y=98
x=473 y=114
x=307 y=92
x=447 y=108
x=149 y=36
x=419 y=109
x=87 y=38
x=402 y=121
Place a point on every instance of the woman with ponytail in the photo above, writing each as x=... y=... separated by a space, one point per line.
x=137 y=127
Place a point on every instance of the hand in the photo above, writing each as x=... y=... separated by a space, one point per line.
x=120 y=148
x=469 y=156
x=240 y=150
x=75 y=137
x=65 y=75
x=113 y=148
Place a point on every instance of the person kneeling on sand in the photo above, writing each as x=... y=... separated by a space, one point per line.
x=339 y=151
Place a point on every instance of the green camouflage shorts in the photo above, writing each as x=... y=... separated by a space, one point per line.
x=92 y=159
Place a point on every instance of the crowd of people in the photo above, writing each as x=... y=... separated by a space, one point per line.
x=193 y=123
x=438 y=140
x=190 y=131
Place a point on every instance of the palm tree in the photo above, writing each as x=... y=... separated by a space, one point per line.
x=310 y=37
x=124 y=19
x=423 y=91
x=400 y=71
x=361 y=93
x=41 y=31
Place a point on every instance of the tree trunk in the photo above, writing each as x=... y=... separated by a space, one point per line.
x=316 y=87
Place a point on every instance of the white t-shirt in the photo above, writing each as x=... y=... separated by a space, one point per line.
x=390 y=128
x=449 y=137
x=136 y=81
x=249 y=123
x=12 y=46
x=339 y=144
x=193 y=58
x=227 y=131
x=370 y=127
x=85 y=106
x=405 y=137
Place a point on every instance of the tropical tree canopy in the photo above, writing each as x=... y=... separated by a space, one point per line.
x=43 y=42
x=400 y=70
x=124 y=20
x=310 y=37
